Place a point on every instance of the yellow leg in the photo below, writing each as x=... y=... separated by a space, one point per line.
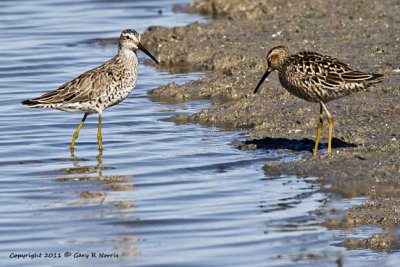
x=76 y=133
x=319 y=129
x=330 y=133
x=99 y=136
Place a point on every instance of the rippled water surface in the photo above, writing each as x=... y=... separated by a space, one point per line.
x=161 y=194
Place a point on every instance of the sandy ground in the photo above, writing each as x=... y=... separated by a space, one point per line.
x=233 y=48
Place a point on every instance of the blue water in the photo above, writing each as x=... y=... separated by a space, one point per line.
x=161 y=194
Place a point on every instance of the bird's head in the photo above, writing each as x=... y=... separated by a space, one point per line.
x=276 y=57
x=130 y=39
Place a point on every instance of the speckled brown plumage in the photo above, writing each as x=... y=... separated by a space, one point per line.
x=99 y=88
x=316 y=78
x=94 y=90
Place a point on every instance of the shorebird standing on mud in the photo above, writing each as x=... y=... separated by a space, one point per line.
x=316 y=78
x=99 y=88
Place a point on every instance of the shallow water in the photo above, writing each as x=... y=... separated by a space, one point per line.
x=161 y=194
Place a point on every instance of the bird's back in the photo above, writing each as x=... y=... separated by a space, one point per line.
x=316 y=77
x=92 y=91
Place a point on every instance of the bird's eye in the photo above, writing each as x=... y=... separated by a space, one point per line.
x=128 y=37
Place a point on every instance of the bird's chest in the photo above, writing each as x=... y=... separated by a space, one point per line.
x=129 y=79
x=125 y=84
x=297 y=85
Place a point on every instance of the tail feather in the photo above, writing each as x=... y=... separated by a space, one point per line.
x=29 y=102
x=376 y=78
x=47 y=99
x=32 y=103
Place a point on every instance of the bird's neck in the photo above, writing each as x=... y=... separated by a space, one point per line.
x=128 y=58
x=127 y=54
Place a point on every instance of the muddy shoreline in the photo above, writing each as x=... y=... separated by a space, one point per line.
x=233 y=48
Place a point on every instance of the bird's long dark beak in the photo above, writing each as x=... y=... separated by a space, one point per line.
x=141 y=47
x=269 y=70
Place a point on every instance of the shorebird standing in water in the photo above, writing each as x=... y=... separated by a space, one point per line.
x=316 y=78
x=99 y=88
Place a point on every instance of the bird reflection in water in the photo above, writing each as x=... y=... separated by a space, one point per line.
x=104 y=190
x=107 y=183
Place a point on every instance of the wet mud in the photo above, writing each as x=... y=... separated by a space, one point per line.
x=232 y=50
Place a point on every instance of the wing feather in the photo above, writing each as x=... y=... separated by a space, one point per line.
x=329 y=73
x=85 y=87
